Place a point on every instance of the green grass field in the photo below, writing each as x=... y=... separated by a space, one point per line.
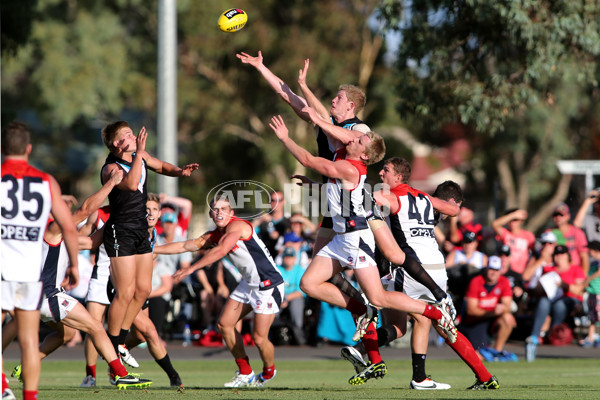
x=545 y=379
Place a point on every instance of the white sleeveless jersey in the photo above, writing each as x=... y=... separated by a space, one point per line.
x=347 y=206
x=26 y=203
x=252 y=259
x=56 y=260
x=412 y=225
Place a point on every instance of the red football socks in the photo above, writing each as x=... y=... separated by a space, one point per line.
x=371 y=345
x=465 y=350
x=90 y=370
x=243 y=365
x=30 y=394
x=432 y=313
x=117 y=368
x=268 y=372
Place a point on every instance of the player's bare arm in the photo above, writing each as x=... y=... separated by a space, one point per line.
x=337 y=170
x=445 y=207
x=199 y=243
x=90 y=225
x=235 y=231
x=53 y=234
x=310 y=97
x=92 y=203
x=337 y=134
x=386 y=199
x=278 y=85
x=168 y=169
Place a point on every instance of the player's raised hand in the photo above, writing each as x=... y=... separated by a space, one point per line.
x=303 y=72
x=279 y=127
x=187 y=170
x=141 y=140
x=248 y=59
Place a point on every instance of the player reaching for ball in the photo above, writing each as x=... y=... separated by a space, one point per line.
x=353 y=244
x=126 y=237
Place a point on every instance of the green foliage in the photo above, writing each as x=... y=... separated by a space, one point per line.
x=85 y=63
x=524 y=74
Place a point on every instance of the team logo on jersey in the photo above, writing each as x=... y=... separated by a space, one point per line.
x=350 y=259
x=422 y=232
x=265 y=283
x=258 y=303
x=65 y=303
x=269 y=305
x=362 y=259
x=24 y=233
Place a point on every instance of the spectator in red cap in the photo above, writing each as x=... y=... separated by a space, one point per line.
x=570 y=236
x=509 y=229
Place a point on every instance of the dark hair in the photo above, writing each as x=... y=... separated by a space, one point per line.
x=449 y=190
x=109 y=133
x=401 y=167
x=15 y=139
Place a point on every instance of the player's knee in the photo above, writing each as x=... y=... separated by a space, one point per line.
x=94 y=327
x=378 y=299
x=224 y=328
x=307 y=287
x=125 y=294
x=142 y=293
x=259 y=340
x=68 y=335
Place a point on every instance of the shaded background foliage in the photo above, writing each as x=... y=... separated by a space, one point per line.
x=520 y=79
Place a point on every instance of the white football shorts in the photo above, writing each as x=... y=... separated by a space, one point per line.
x=262 y=301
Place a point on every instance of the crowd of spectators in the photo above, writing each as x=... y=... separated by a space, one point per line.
x=506 y=282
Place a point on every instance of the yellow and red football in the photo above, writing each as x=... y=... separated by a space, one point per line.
x=233 y=20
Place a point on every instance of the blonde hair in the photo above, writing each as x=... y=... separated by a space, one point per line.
x=355 y=95
x=153 y=197
x=375 y=150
